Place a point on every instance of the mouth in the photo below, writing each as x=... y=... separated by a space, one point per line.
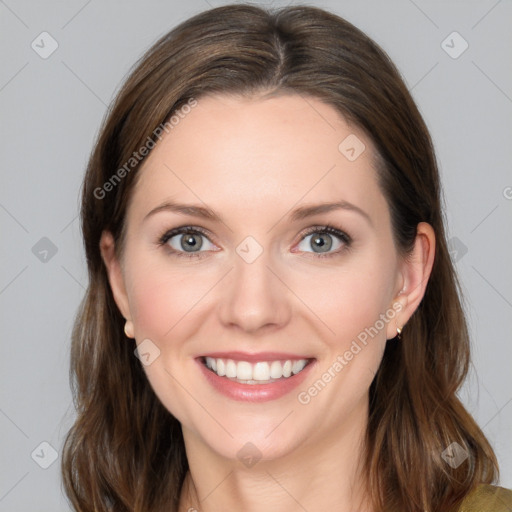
x=255 y=372
x=250 y=377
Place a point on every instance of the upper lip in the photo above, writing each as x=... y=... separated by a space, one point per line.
x=255 y=357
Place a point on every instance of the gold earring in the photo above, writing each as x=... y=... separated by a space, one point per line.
x=399 y=333
x=128 y=329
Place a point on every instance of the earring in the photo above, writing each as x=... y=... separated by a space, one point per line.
x=399 y=333
x=128 y=329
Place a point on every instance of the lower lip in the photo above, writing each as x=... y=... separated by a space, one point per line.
x=254 y=392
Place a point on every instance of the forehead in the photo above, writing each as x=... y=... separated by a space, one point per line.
x=260 y=155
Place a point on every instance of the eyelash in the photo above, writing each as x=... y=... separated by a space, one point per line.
x=326 y=228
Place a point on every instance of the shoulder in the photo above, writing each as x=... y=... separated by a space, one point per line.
x=488 y=498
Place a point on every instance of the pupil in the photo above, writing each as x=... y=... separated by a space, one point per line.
x=322 y=244
x=191 y=240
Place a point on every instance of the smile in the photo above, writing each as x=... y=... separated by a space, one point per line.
x=254 y=377
x=260 y=372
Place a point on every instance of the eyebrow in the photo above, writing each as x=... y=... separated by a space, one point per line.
x=300 y=213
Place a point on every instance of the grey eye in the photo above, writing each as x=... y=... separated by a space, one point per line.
x=320 y=242
x=188 y=242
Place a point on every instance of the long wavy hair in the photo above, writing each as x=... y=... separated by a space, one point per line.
x=125 y=451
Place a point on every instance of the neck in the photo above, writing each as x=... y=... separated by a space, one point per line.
x=313 y=476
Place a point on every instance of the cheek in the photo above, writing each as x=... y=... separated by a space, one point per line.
x=160 y=303
x=350 y=302
x=163 y=304
x=355 y=304
x=161 y=297
x=356 y=307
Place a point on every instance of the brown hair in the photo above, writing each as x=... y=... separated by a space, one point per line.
x=125 y=451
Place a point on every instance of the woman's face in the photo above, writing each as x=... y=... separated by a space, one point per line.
x=257 y=279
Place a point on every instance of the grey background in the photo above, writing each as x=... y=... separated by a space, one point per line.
x=51 y=110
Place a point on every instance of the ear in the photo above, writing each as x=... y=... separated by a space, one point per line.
x=115 y=277
x=414 y=274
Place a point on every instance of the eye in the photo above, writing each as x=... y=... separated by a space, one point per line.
x=187 y=241
x=193 y=242
x=325 y=241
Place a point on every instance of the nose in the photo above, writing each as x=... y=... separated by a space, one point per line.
x=255 y=297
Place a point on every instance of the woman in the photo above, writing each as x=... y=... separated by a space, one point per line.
x=272 y=320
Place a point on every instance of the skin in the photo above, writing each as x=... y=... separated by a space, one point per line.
x=253 y=161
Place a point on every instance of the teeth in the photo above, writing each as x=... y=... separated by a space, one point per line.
x=221 y=368
x=243 y=370
x=262 y=371
x=276 y=370
x=231 y=369
x=297 y=366
x=287 y=369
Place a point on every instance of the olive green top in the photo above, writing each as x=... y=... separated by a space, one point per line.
x=488 y=498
